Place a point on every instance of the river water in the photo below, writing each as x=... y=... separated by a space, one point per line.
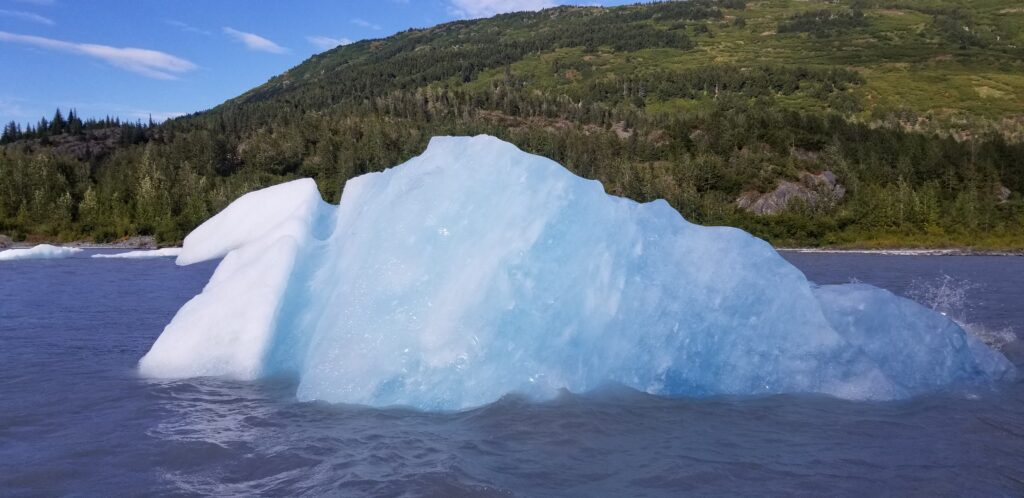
x=75 y=419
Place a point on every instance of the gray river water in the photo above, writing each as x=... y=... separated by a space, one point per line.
x=75 y=419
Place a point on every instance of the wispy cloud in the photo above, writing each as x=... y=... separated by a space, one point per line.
x=149 y=63
x=27 y=16
x=254 y=41
x=326 y=42
x=157 y=116
x=13 y=108
x=120 y=110
x=486 y=8
x=363 y=23
x=164 y=116
x=186 y=27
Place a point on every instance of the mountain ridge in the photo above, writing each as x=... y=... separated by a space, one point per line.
x=916 y=107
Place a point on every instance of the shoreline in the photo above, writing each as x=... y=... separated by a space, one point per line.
x=136 y=243
x=86 y=245
x=901 y=252
x=128 y=245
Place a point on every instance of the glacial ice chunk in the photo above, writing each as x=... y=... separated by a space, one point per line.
x=227 y=329
x=168 y=252
x=280 y=211
x=477 y=270
x=41 y=251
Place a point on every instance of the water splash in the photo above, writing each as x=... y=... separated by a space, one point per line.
x=952 y=297
x=995 y=338
x=944 y=294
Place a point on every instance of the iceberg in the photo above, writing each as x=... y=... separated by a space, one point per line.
x=41 y=251
x=169 y=252
x=476 y=270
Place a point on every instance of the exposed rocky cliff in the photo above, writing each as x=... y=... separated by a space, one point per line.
x=1003 y=194
x=816 y=190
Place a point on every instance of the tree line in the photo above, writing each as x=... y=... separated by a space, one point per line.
x=72 y=125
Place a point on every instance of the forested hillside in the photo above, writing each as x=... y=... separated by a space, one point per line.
x=915 y=107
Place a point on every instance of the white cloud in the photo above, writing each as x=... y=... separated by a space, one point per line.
x=186 y=27
x=113 y=109
x=485 y=8
x=156 y=116
x=254 y=41
x=27 y=16
x=326 y=42
x=149 y=63
x=123 y=111
x=363 y=23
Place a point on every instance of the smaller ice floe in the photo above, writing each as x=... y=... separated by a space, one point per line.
x=170 y=252
x=42 y=251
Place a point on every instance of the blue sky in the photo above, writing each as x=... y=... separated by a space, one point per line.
x=135 y=58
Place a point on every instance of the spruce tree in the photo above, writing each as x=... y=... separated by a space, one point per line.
x=10 y=133
x=58 y=123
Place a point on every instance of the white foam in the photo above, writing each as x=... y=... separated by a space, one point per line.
x=168 y=252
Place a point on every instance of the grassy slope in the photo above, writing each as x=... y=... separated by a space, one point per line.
x=910 y=64
x=906 y=66
x=907 y=63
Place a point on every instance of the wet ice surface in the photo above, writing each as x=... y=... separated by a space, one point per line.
x=476 y=270
x=76 y=418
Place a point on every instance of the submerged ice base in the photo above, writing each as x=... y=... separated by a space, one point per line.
x=477 y=270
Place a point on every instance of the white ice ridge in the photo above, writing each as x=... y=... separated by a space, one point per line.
x=168 y=252
x=41 y=251
x=477 y=270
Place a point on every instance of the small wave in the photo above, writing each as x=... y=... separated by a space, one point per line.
x=995 y=338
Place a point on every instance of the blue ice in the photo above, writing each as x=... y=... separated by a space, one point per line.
x=476 y=270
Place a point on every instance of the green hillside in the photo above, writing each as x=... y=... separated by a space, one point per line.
x=916 y=106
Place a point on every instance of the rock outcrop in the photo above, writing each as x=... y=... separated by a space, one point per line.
x=814 y=189
x=140 y=242
x=136 y=242
x=5 y=242
x=1002 y=194
x=92 y=143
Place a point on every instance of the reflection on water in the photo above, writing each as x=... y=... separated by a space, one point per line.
x=75 y=419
